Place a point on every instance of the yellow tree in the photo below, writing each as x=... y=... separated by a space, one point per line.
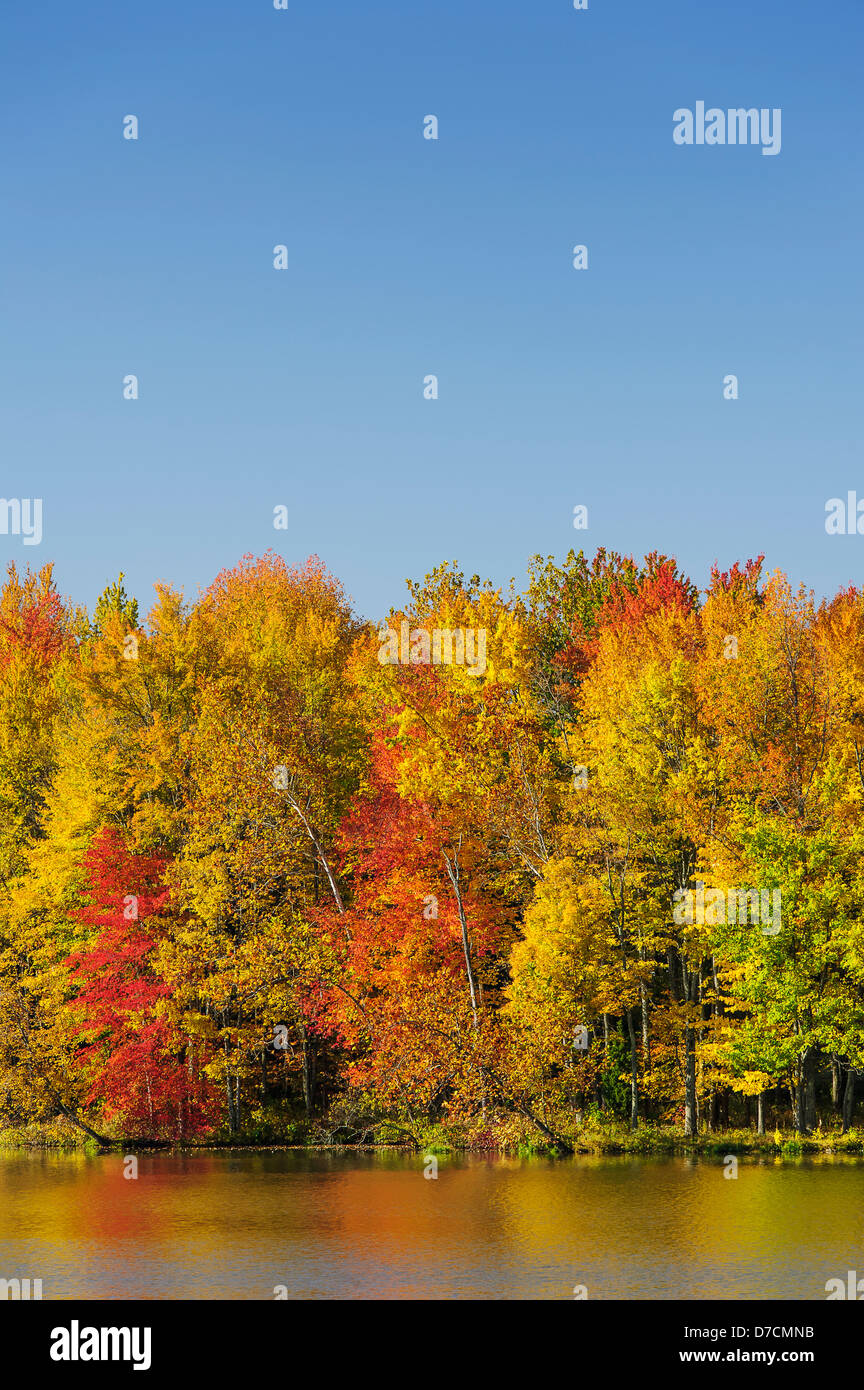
x=275 y=755
x=646 y=752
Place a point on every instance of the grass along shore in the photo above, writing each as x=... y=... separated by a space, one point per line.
x=607 y=1139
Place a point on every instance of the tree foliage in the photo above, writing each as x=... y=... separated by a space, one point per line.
x=256 y=872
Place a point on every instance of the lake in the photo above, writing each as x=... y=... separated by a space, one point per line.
x=240 y=1225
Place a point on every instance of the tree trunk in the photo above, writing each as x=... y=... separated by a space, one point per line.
x=521 y=1107
x=232 y=1122
x=690 y=1116
x=84 y=1127
x=804 y=1081
x=310 y=1074
x=454 y=876
x=634 y=1073
x=687 y=992
x=760 y=1113
x=848 y=1099
x=331 y=877
x=690 y=981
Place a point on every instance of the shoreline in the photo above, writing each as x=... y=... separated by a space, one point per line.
x=646 y=1142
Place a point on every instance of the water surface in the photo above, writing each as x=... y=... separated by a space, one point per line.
x=242 y=1225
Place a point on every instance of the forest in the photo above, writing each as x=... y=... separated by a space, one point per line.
x=261 y=884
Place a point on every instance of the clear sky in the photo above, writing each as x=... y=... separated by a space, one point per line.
x=408 y=257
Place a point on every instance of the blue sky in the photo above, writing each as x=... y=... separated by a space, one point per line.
x=407 y=257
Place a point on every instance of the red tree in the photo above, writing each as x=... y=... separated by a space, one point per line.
x=143 y=1073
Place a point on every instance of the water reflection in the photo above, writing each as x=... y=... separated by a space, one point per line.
x=327 y=1225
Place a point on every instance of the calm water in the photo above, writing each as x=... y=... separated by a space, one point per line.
x=236 y=1226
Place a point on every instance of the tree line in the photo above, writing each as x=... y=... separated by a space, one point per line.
x=257 y=876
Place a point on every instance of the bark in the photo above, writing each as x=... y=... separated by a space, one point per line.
x=453 y=873
x=849 y=1099
x=331 y=877
x=310 y=1074
x=684 y=986
x=518 y=1108
x=805 y=1082
x=634 y=1073
x=69 y=1112
x=760 y=1113
x=643 y=1000
x=82 y=1125
x=123 y=1143
x=691 y=1120
x=601 y=1099
x=646 y=1040
x=810 y=1100
x=232 y=1121
x=690 y=995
